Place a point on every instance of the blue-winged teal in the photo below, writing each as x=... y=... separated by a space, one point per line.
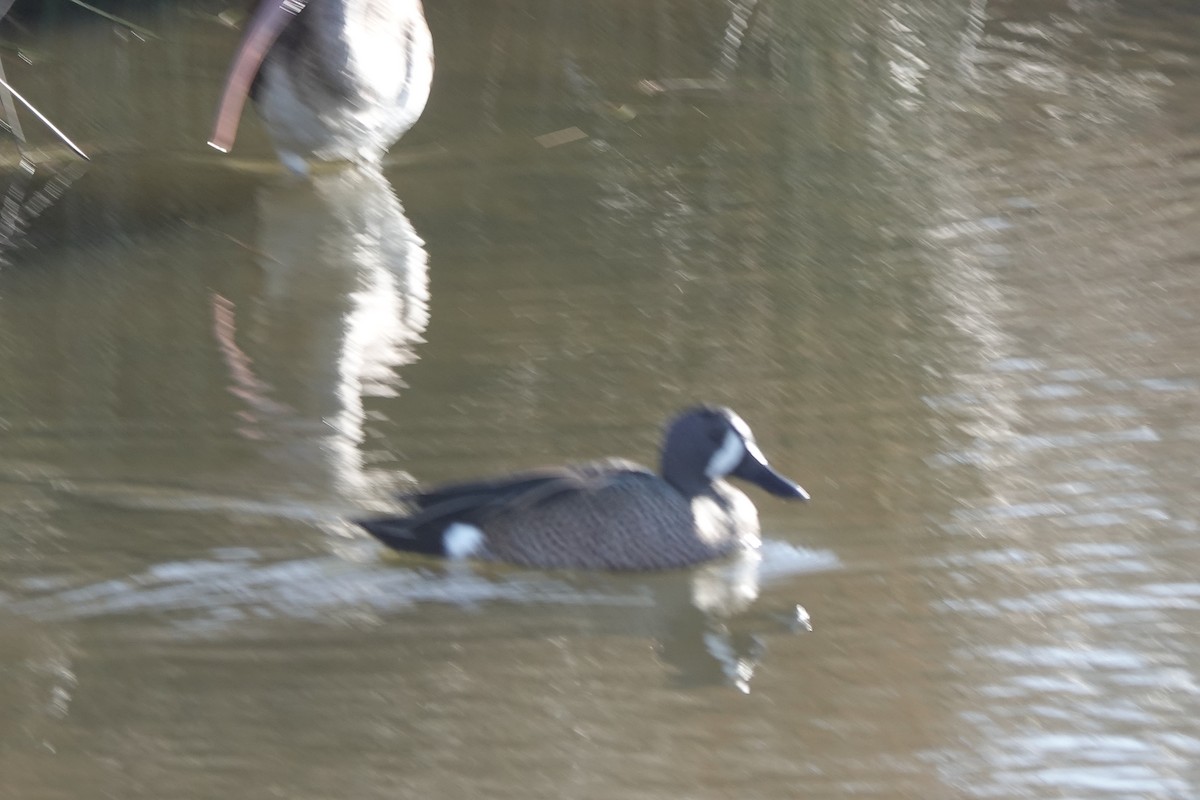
x=339 y=80
x=610 y=514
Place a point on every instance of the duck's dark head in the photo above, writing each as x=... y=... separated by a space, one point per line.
x=708 y=443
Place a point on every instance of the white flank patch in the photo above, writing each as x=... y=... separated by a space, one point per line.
x=461 y=540
x=726 y=459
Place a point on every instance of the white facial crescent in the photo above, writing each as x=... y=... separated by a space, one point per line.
x=727 y=457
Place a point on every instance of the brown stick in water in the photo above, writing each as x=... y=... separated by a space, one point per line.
x=269 y=20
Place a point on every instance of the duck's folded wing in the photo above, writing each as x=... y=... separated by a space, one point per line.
x=435 y=510
x=475 y=501
x=498 y=491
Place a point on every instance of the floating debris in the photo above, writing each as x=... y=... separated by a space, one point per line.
x=559 y=138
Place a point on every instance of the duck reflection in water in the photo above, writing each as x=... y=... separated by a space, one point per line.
x=717 y=631
x=334 y=80
x=343 y=302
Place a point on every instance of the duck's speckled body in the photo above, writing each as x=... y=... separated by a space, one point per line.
x=610 y=514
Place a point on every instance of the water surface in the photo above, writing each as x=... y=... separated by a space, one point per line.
x=941 y=255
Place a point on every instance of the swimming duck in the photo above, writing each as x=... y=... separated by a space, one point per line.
x=610 y=514
x=332 y=79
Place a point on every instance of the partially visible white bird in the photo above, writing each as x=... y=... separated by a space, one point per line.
x=333 y=79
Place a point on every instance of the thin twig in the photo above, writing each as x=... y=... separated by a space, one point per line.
x=45 y=121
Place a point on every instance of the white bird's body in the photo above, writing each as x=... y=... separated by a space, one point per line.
x=340 y=80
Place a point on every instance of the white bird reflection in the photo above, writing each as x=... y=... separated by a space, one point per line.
x=345 y=299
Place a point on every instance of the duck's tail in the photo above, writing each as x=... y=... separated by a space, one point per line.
x=399 y=533
x=446 y=540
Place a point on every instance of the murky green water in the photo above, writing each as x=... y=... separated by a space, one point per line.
x=943 y=256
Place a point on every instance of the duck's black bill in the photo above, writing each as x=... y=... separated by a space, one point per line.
x=755 y=469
